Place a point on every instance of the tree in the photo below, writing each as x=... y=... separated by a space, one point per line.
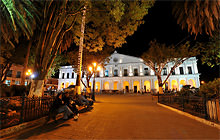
x=198 y=16
x=18 y=17
x=9 y=56
x=159 y=55
x=99 y=57
x=59 y=24
x=210 y=51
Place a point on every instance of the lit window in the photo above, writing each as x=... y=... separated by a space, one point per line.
x=17 y=82
x=7 y=82
x=115 y=72
x=106 y=73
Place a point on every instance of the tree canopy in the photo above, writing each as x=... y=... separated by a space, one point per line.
x=159 y=55
x=198 y=16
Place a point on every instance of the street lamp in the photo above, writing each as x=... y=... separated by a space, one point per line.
x=94 y=68
x=29 y=73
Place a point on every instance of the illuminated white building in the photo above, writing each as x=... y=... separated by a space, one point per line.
x=129 y=73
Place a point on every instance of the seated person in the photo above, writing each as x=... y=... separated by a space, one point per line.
x=71 y=104
x=59 y=106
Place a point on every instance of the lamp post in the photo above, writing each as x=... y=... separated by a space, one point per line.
x=95 y=68
x=29 y=73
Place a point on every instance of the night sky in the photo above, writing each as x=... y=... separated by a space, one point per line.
x=161 y=25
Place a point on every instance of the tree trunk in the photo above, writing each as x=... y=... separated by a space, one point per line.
x=160 y=84
x=26 y=63
x=80 y=52
x=37 y=87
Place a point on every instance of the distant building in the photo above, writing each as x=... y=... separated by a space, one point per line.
x=51 y=84
x=14 y=75
x=130 y=74
x=14 y=78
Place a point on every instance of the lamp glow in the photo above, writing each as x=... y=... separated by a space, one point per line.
x=94 y=64
x=98 y=68
x=32 y=76
x=90 y=68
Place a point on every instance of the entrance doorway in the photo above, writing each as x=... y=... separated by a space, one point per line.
x=127 y=88
x=135 y=89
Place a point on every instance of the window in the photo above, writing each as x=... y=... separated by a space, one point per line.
x=72 y=74
x=17 y=82
x=164 y=71
x=135 y=72
x=63 y=75
x=173 y=73
x=18 y=75
x=106 y=73
x=97 y=74
x=181 y=70
x=9 y=74
x=67 y=75
x=7 y=82
x=146 y=72
x=125 y=72
x=115 y=72
x=189 y=70
x=25 y=83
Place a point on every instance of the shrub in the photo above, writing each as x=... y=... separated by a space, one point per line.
x=5 y=90
x=211 y=89
x=18 y=90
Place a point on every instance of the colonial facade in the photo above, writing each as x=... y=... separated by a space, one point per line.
x=130 y=74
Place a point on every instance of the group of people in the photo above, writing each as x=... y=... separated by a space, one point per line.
x=68 y=105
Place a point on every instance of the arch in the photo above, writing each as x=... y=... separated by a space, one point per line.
x=71 y=83
x=97 y=86
x=62 y=85
x=125 y=83
x=106 y=85
x=126 y=86
x=115 y=85
x=192 y=83
x=174 y=84
x=67 y=84
x=136 y=84
x=147 y=86
x=182 y=83
x=157 y=86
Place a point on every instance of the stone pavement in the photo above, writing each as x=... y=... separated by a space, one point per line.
x=124 y=117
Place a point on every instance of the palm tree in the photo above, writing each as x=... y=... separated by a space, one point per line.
x=198 y=16
x=18 y=17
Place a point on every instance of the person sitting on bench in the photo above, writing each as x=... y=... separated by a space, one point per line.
x=71 y=104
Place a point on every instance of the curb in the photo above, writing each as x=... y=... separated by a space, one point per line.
x=192 y=116
x=14 y=129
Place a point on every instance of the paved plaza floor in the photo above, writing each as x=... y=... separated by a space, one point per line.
x=124 y=117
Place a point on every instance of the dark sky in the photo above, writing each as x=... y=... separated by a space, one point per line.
x=161 y=25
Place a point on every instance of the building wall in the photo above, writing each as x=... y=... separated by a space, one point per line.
x=15 y=78
x=125 y=72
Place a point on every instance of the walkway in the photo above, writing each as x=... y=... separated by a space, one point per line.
x=124 y=117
